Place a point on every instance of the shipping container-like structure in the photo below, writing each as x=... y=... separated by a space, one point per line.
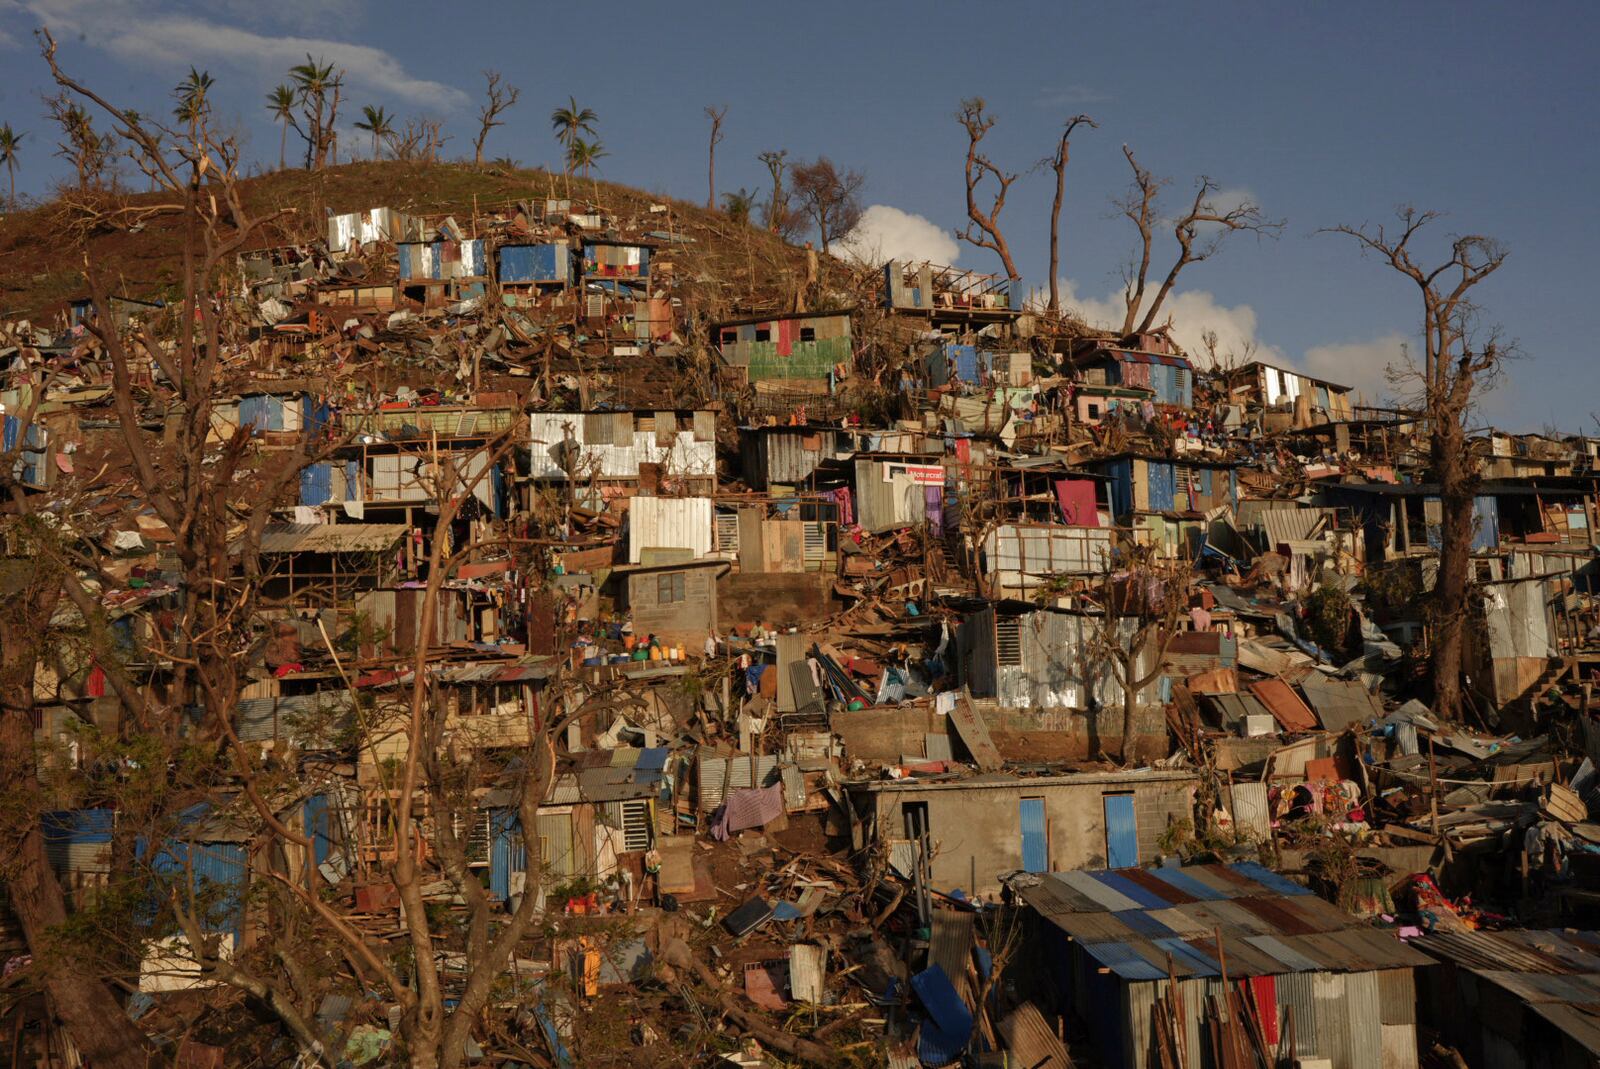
x=1108 y=938
x=1168 y=377
x=814 y=347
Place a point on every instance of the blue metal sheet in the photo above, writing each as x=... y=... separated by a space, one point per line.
x=945 y=1034
x=1121 y=488
x=507 y=852
x=78 y=825
x=316 y=483
x=1486 y=533
x=1184 y=882
x=254 y=413
x=1035 y=850
x=1125 y=961
x=1143 y=895
x=1143 y=923
x=219 y=874
x=1199 y=963
x=319 y=827
x=1122 y=840
x=1267 y=878
x=1161 y=484
x=653 y=759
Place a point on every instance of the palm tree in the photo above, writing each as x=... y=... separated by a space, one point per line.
x=281 y=102
x=568 y=123
x=378 y=123
x=586 y=154
x=312 y=81
x=192 y=95
x=9 y=140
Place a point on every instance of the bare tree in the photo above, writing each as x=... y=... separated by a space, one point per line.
x=499 y=97
x=1456 y=365
x=832 y=199
x=1141 y=599
x=716 y=115
x=778 y=218
x=419 y=140
x=1200 y=232
x=978 y=167
x=1058 y=164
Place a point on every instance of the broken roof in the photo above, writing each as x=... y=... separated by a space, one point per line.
x=1133 y=921
x=330 y=537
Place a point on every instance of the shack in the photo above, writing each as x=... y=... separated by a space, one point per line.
x=1514 y=998
x=980 y=830
x=1343 y=990
x=1169 y=377
x=1287 y=399
x=815 y=347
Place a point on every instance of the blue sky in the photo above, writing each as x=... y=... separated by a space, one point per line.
x=1324 y=114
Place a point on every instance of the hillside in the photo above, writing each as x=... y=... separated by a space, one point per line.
x=43 y=250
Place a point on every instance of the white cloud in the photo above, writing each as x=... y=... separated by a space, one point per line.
x=886 y=233
x=1360 y=365
x=133 y=30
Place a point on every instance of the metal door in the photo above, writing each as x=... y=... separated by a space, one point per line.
x=1035 y=843
x=1122 y=839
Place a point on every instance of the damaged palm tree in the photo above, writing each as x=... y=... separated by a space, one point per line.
x=1459 y=363
x=1200 y=232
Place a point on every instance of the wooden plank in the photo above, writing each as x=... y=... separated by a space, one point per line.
x=975 y=733
x=1284 y=704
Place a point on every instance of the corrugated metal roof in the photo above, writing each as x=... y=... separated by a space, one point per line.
x=1293 y=525
x=1130 y=920
x=330 y=537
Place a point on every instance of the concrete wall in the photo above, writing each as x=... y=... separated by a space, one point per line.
x=685 y=621
x=976 y=831
x=779 y=599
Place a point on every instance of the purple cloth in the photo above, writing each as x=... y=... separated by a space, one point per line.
x=750 y=807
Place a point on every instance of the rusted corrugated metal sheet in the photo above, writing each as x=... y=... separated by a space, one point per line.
x=950 y=946
x=1031 y=1041
x=1284 y=704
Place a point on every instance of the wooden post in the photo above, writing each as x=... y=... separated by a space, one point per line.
x=1433 y=787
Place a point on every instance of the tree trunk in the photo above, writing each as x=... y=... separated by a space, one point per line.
x=283 y=147
x=1130 y=709
x=97 y=1024
x=1455 y=549
x=1054 y=307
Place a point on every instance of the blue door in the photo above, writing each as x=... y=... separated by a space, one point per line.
x=1122 y=838
x=1035 y=844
